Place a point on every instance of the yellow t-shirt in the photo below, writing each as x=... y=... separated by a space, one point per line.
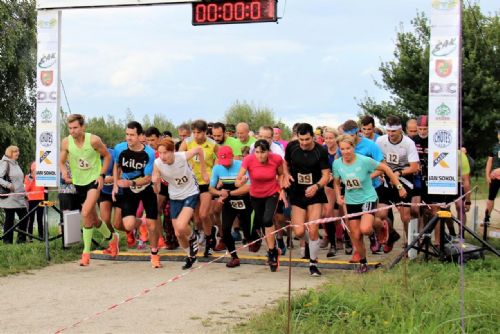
x=208 y=153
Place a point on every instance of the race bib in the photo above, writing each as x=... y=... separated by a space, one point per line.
x=138 y=189
x=353 y=184
x=305 y=179
x=83 y=164
x=181 y=181
x=393 y=158
x=237 y=204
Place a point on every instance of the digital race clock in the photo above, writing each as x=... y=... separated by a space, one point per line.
x=234 y=11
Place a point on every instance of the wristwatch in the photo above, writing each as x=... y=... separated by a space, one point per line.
x=103 y=176
x=399 y=186
x=319 y=186
x=134 y=184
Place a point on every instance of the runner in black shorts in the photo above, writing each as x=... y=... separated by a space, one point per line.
x=132 y=173
x=493 y=176
x=306 y=172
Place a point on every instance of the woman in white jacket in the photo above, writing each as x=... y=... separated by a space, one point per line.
x=12 y=177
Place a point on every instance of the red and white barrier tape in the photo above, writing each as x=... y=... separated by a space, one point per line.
x=202 y=265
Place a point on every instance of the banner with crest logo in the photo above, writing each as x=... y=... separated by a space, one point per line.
x=47 y=98
x=444 y=96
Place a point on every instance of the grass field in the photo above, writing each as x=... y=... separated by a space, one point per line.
x=414 y=297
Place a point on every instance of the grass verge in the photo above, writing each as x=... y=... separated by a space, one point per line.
x=425 y=300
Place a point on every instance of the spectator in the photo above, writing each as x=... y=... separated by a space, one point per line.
x=14 y=203
x=35 y=194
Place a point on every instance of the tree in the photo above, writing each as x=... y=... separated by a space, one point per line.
x=254 y=117
x=18 y=77
x=407 y=77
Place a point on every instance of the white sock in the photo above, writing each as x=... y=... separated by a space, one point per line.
x=313 y=249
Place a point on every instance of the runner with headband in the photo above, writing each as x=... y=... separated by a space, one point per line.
x=355 y=171
x=401 y=155
x=183 y=191
x=264 y=168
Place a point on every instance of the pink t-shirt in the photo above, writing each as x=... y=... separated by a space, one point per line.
x=263 y=176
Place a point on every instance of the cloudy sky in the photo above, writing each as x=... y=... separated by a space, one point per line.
x=311 y=66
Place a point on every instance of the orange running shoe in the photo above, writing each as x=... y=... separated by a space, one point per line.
x=161 y=243
x=155 y=261
x=130 y=239
x=114 y=246
x=85 y=261
x=143 y=230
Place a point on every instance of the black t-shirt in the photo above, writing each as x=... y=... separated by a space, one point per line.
x=495 y=154
x=305 y=166
x=422 y=145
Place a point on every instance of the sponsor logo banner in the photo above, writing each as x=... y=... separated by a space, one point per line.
x=439 y=159
x=443 y=46
x=443 y=67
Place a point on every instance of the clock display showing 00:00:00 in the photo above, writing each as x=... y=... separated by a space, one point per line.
x=234 y=12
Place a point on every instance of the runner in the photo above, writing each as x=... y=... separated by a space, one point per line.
x=266 y=133
x=243 y=135
x=277 y=137
x=84 y=151
x=202 y=213
x=235 y=201
x=401 y=155
x=132 y=173
x=493 y=176
x=411 y=128
x=355 y=171
x=422 y=145
x=184 y=131
x=306 y=172
x=222 y=138
x=183 y=191
x=368 y=128
x=264 y=168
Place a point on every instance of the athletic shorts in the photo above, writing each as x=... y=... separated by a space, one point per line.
x=163 y=190
x=82 y=191
x=176 y=205
x=390 y=194
x=203 y=188
x=109 y=198
x=359 y=208
x=303 y=202
x=131 y=201
x=494 y=186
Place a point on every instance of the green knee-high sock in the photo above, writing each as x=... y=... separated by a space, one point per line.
x=104 y=230
x=87 y=239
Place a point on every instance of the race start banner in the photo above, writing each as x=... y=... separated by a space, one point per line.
x=47 y=98
x=444 y=96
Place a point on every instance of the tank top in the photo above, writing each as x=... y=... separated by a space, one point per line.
x=84 y=162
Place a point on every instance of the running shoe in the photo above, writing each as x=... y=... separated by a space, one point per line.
x=362 y=269
x=201 y=237
x=374 y=245
x=114 y=246
x=347 y=246
x=234 y=262
x=393 y=237
x=161 y=243
x=130 y=239
x=355 y=257
x=208 y=247
x=331 y=252
x=143 y=230
x=273 y=259
x=383 y=233
x=255 y=247
x=190 y=260
x=220 y=247
x=236 y=236
x=85 y=260
x=155 y=261
x=323 y=243
x=313 y=268
x=193 y=246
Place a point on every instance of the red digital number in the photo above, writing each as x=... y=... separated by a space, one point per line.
x=212 y=12
x=255 y=11
x=201 y=14
x=239 y=11
x=270 y=9
x=227 y=11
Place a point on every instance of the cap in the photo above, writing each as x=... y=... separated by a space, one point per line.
x=422 y=120
x=225 y=155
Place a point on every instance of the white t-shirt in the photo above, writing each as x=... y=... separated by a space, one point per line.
x=180 y=177
x=399 y=155
x=275 y=148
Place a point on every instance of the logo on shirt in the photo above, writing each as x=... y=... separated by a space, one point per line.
x=132 y=164
x=439 y=159
x=442 y=138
